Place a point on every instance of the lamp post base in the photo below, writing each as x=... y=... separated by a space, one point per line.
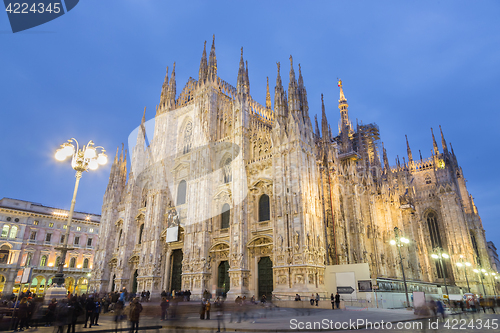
x=57 y=292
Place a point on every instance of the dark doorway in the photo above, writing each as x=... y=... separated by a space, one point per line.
x=223 y=278
x=176 y=270
x=113 y=283
x=265 y=277
x=134 y=282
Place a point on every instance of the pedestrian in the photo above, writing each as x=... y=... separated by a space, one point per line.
x=74 y=310
x=317 y=299
x=97 y=311
x=312 y=299
x=332 y=298
x=207 y=309
x=219 y=306
x=135 y=313
x=202 y=309
x=337 y=300
x=118 y=311
x=51 y=312
x=440 y=308
x=164 y=308
x=23 y=314
x=89 y=311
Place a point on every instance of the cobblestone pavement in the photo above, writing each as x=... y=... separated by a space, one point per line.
x=308 y=320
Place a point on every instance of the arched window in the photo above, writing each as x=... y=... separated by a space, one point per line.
x=86 y=263
x=264 y=214
x=5 y=230
x=434 y=230
x=188 y=137
x=141 y=230
x=72 y=262
x=43 y=261
x=13 y=232
x=181 y=192
x=4 y=254
x=225 y=216
x=428 y=180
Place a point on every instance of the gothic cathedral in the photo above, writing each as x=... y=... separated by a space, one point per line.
x=231 y=196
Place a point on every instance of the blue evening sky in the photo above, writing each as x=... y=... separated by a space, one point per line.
x=406 y=65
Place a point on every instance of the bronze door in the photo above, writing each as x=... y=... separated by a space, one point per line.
x=265 y=277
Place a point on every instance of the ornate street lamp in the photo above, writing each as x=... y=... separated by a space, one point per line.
x=439 y=255
x=400 y=241
x=81 y=160
x=465 y=265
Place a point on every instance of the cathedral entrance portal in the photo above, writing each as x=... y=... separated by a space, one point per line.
x=223 y=278
x=176 y=270
x=265 y=277
x=134 y=282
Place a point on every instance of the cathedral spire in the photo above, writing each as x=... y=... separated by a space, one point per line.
x=386 y=161
x=247 y=80
x=304 y=106
x=408 y=150
x=268 y=96
x=121 y=154
x=344 y=115
x=164 y=90
x=116 y=155
x=212 y=62
x=280 y=102
x=171 y=91
x=443 y=141
x=316 y=128
x=293 y=98
x=241 y=80
x=436 y=150
x=324 y=122
x=202 y=73
x=452 y=152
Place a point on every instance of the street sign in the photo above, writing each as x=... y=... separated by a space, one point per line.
x=345 y=290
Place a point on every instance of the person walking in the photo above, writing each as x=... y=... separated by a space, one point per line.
x=164 y=308
x=219 y=307
x=317 y=299
x=207 y=309
x=202 y=309
x=135 y=313
x=337 y=300
x=74 y=310
x=97 y=311
x=89 y=311
x=332 y=299
x=23 y=314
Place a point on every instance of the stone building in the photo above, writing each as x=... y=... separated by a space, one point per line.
x=231 y=195
x=30 y=234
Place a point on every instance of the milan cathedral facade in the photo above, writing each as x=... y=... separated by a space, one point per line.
x=247 y=199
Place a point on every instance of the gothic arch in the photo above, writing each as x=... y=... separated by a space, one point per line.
x=432 y=220
x=181 y=192
x=144 y=196
x=185 y=137
x=225 y=165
